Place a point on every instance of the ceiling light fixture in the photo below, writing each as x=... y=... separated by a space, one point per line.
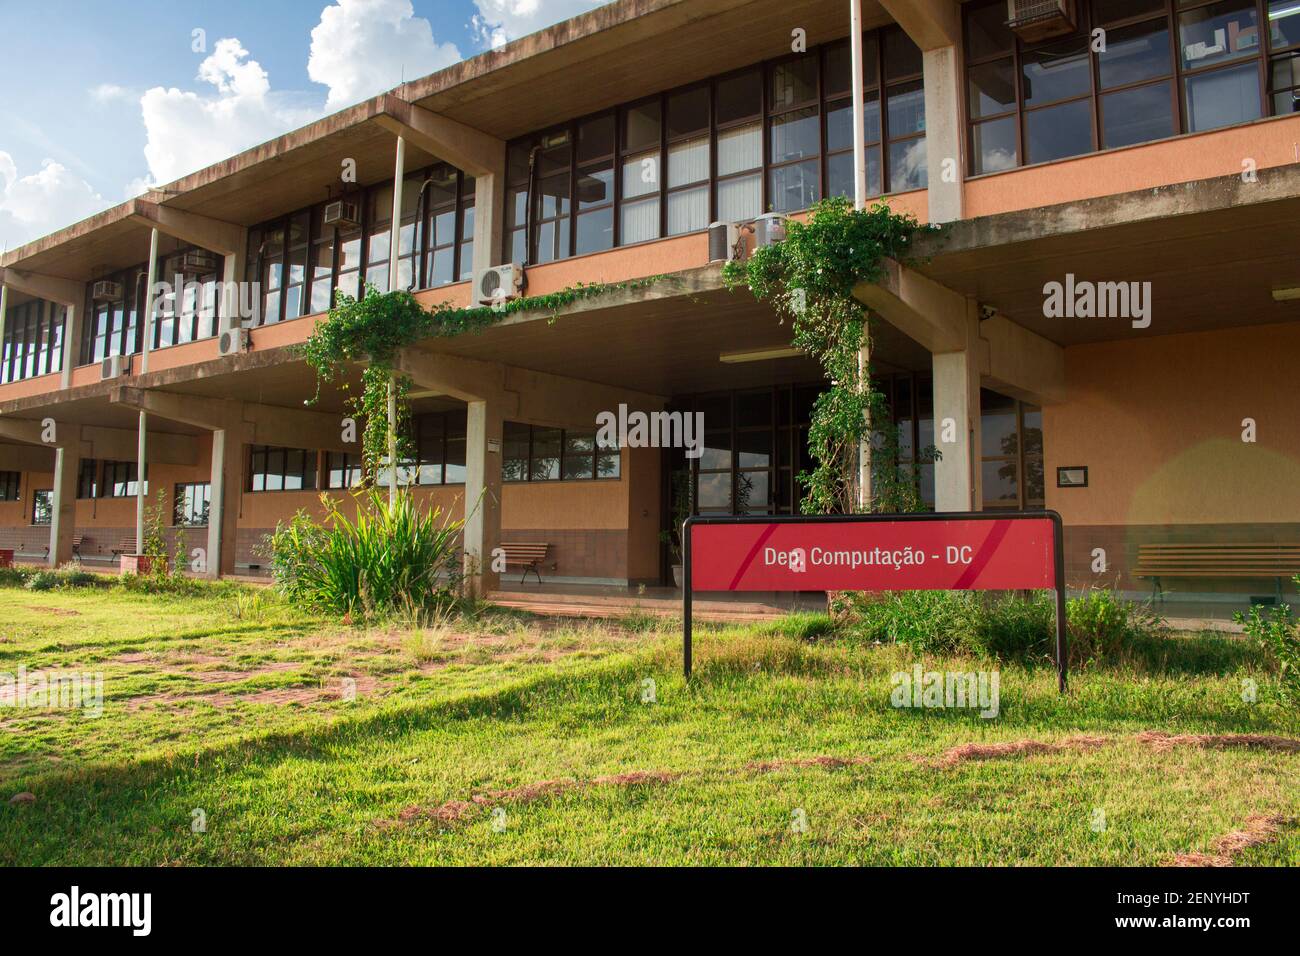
x=760 y=355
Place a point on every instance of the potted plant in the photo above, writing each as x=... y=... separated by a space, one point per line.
x=681 y=510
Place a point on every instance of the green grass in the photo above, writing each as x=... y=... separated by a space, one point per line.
x=506 y=701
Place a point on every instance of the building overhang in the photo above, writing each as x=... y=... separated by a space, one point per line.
x=1214 y=251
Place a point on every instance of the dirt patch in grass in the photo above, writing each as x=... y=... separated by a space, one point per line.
x=1161 y=742
x=1259 y=829
x=454 y=811
x=333 y=690
x=1015 y=748
x=829 y=763
x=56 y=611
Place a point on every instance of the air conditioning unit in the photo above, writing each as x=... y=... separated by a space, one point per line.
x=197 y=264
x=233 y=341
x=725 y=242
x=106 y=290
x=1034 y=20
x=769 y=229
x=343 y=214
x=498 y=284
x=114 y=366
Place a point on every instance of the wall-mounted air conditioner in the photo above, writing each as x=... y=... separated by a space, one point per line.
x=498 y=284
x=725 y=242
x=106 y=290
x=1034 y=20
x=769 y=229
x=343 y=214
x=114 y=366
x=233 y=341
x=197 y=264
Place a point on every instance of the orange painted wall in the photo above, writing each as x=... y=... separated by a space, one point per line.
x=1269 y=142
x=1158 y=423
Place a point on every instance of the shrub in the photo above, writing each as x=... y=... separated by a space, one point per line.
x=43 y=580
x=70 y=575
x=1004 y=626
x=393 y=559
x=14 y=577
x=1277 y=631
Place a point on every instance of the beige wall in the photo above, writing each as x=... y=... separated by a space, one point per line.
x=1158 y=423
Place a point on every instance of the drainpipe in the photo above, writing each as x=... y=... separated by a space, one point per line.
x=860 y=202
x=146 y=326
x=394 y=246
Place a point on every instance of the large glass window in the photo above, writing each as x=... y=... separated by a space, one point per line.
x=192 y=504
x=281 y=469
x=1011 y=459
x=437 y=442
x=9 y=485
x=33 y=340
x=537 y=453
x=42 y=506
x=1132 y=72
x=120 y=479
x=778 y=137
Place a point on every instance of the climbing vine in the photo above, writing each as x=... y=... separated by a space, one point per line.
x=809 y=280
x=373 y=329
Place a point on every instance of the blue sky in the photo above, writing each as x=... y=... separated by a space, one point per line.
x=104 y=97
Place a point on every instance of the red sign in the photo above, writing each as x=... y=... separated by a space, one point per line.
x=961 y=554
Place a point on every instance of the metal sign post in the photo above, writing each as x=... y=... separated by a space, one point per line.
x=971 y=551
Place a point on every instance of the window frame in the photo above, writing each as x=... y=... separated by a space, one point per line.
x=596 y=453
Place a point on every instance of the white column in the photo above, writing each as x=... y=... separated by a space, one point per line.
x=394 y=247
x=146 y=338
x=943 y=134
x=67 y=465
x=957 y=431
x=484 y=428
x=860 y=202
x=223 y=500
x=489 y=217
x=72 y=321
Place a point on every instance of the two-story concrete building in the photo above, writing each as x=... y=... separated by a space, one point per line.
x=1111 y=316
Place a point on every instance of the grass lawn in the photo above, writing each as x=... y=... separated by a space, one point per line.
x=510 y=739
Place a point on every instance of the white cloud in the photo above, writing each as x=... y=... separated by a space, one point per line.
x=499 y=21
x=32 y=206
x=363 y=47
x=186 y=131
x=108 y=92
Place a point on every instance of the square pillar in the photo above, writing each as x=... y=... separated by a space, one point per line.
x=73 y=320
x=957 y=431
x=484 y=434
x=489 y=217
x=943 y=124
x=225 y=491
x=63 y=522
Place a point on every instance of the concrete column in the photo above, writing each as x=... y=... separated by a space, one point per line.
x=943 y=133
x=4 y=311
x=63 y=521
x=226 y=488
x=489 y=217
x=73 y=320
x=957 y=431
x=484 y=434
x=232 y=277
x=394 y=247
x=146 y=339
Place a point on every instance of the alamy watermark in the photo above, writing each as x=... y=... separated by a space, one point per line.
x=626 y=429
x=1081 y=299
x=53 y=690
x=973 y=690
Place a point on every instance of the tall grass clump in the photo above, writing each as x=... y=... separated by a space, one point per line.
x=393 y=559
x=1006 y=627
x=1277 y=631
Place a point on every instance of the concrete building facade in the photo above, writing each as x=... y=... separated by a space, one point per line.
x=1109 y=318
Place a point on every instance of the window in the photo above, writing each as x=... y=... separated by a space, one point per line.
x=42 y=506
x=281 y=469
x=33 y=340
x=9 y=485
x=1011 y=435
x=379 y=218
x=192 y=504
x=440 y=226
x=188 y=310
x=1166 y=68
x=537 y=453
x=777 y=137
x=343 y=470
x=437 y=440
x=120 y=479
x=87 y=475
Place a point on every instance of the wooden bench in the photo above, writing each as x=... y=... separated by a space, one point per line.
x=76 y=546
x=125 y=546
x=526 y=554
x=1276 y=561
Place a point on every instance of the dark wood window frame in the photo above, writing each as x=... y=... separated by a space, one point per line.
x=265 y=461
x=597 y=453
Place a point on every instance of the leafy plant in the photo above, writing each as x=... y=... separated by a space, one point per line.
x=683 y=508
x=809 y=279
x=375 y=328
x=1277 y=631
x=393 y=559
